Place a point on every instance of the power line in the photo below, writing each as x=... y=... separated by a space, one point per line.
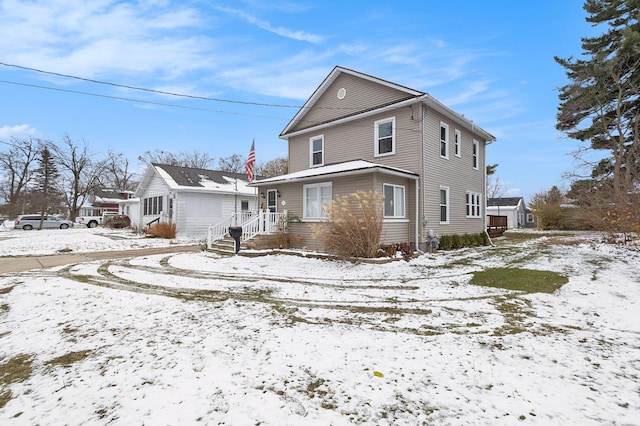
x=120 y=98
x=182 y=95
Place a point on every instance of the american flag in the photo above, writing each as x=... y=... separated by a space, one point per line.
x=248 y=168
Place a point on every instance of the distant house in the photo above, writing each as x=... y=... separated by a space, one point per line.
x=104 y=200
x=192 y=199
x=358 y=132
x=514 y=208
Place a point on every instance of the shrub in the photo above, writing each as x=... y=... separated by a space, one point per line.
x=162 y=230
x=354 y=225
x=455 y=241
x=446 y=242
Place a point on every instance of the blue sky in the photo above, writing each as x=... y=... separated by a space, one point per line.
x=490 y=60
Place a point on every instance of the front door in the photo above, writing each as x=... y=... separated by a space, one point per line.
x=272 y=208
x=272 y=200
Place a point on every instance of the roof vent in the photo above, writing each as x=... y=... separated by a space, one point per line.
x=342 y=92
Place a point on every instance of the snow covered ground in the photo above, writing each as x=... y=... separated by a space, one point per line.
x=195 y=338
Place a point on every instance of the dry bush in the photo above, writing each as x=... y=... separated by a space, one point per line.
x=162 y=230
x=354 y=225
x=613 y=212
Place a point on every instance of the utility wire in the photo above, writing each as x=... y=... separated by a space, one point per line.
x=182 y=95
x=119 y=98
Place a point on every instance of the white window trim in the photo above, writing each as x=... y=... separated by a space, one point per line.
x=458 y=143
x=446 y=140
x=472 y=196
x=444 y=188
x=476 y=156
x=376 y=145
x=311 y=139
x=304 y=200
x=404 y=200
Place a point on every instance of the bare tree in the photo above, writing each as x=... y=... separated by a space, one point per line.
x=234 y=164
x=494 y=188
x=116 y=173
x=80 y=173
x=272 y=168
x=17 y=164
x=197 y=160
x=194 y=159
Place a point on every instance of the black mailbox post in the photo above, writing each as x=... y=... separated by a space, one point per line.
x=236 y=233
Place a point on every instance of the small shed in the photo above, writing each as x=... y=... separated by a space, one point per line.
x=514 y=208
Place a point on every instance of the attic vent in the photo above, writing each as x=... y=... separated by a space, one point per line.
x=342 y=92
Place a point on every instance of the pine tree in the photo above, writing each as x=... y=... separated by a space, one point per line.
x=45 y=177
x=601 y=103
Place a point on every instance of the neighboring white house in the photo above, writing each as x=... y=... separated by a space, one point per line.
x=513 y=208
x=193 y=199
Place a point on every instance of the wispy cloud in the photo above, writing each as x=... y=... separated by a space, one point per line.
x=99 y=38
x=18 y=131
x=281 y=31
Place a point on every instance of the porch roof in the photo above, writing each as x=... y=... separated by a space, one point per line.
x=347 y=168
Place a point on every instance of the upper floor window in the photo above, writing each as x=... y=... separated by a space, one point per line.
x=476 y=155
x=457 y=143
x=393 y=200
x=444 y=204
x=315 y=197
x=385 y=136
x=473 y=204
x=316 y=148
x=444 y=140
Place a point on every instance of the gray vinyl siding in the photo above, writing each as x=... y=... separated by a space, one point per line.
x=356 y=140
x=394 y=231
x=361 y=95
x=456 y=173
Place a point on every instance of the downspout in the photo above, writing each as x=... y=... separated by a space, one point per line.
x=423 y=174
x=417 y=214
x=484 y=189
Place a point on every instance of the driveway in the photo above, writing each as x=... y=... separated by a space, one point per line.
x=26 y=263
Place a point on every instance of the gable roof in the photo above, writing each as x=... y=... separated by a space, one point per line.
x=188 y=179
x=346 y=168
x=505 y=202
x=412 y=96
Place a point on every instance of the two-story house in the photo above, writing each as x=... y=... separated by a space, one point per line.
x=358 y=132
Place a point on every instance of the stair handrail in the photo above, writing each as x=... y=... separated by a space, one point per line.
x=252 y=224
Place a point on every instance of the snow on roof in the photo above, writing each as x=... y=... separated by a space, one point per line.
x=348 y=167
x=202 y=180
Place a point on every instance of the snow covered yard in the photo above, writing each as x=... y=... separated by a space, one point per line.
x=281 y=339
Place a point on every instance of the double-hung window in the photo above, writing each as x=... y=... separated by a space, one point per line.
x=316 y=148
x=475 y=155
x=385 y=136
x=444 y=140
x=457 y=143
x=152 y=205
x=444 y=205
x=473 y=204
x=315 y=197
x=393 y=201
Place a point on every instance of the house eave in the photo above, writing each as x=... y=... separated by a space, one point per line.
x=364 y=114
x=373 y=168
x=438 y=106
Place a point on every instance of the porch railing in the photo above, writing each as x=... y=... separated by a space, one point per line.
x=252 y=224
